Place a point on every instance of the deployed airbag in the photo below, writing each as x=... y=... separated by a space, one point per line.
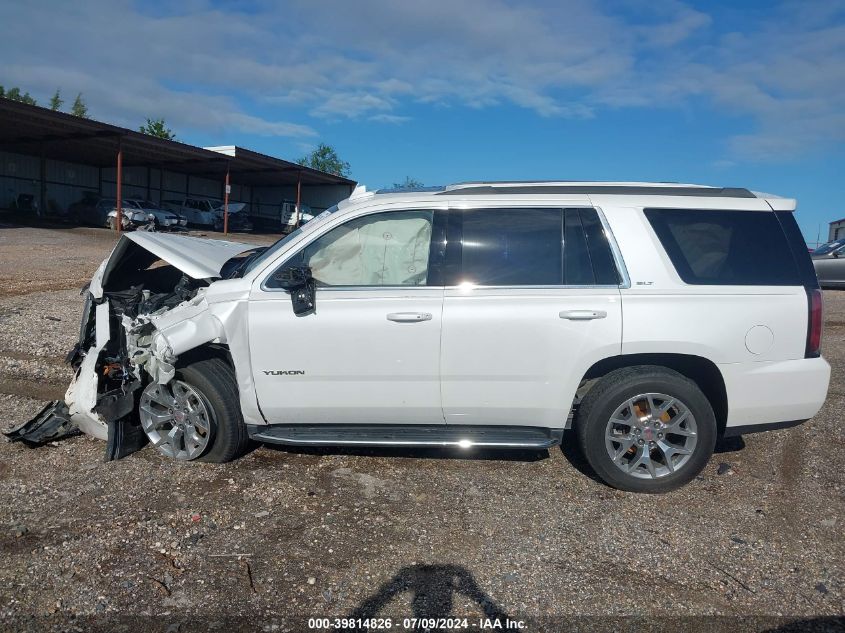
x=377 y=250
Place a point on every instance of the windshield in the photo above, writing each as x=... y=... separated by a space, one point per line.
x=277 y=246
x=824 y=249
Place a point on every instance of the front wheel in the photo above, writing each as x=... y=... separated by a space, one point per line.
x=197 y=414
x=646 y=429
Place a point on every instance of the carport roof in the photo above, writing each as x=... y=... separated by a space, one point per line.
x=28 y=129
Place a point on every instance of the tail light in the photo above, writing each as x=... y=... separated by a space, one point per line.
x=814 y=323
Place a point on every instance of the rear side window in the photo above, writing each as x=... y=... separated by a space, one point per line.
x=535 y=247
x=512 y=247
x=743 y=248
x=588 y=260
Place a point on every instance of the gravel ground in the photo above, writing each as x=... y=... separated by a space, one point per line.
x=283 y=535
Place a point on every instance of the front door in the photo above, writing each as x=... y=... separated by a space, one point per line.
x=370 y=353
x=536 y=302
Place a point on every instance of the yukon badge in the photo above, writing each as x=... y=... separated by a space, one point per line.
x=284 y=372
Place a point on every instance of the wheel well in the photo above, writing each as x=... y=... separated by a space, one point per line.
x=208 y=350
x=698 y=369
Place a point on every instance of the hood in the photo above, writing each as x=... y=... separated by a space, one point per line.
x=197 y=257
x=234 y=207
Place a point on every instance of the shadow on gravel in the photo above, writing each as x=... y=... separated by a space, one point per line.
x=572 y=453
x=524 y=455
x=729 y=445
x=433 y=589
x=812 y=625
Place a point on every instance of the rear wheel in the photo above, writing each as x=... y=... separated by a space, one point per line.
x=646 y=429
x=197 y=414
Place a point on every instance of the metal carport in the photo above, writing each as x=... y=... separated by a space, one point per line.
x=41 y=133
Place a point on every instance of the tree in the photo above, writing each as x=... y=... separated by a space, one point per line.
x=14 y=94
x=158 y=128
x=79 y=108
x=325 y=158
x=56 y=101
x=410 y=183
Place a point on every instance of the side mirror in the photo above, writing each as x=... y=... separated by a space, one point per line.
x=303 y=291
x=292 y=277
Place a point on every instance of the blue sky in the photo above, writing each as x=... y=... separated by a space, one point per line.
x=728 y=93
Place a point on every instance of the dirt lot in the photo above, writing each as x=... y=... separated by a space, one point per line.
x=283 y=535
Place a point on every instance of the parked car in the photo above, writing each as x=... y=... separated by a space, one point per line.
x=204 y=212
x=162 y=219
x=238 y=222
x=27 y=204
x=97 y=211
x=86 y=211
x=477 y=315
x=130 y=218
x=829 y=262
x=283 y=217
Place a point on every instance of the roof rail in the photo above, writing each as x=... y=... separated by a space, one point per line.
x=607 y=188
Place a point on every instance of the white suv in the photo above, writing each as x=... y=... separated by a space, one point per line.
x=650 y=318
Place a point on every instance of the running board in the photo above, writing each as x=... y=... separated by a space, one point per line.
x=407 y=435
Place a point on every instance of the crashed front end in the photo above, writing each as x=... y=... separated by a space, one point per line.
x=145 y=305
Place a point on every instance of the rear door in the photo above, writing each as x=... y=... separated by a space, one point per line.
x=533 y=302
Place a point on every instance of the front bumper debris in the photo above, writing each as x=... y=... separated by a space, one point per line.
x=51 y=424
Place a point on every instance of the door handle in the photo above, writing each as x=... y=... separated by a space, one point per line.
x=409 y=317
x=582 y=315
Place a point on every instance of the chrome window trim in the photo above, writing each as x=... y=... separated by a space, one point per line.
x=611 y=239
x=625 y=283
x=526 y=287
x=394 y=288
x=313 y=238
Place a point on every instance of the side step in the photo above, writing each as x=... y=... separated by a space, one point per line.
x=407 y=435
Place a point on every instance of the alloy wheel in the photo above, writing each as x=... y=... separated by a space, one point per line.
x=651 y=435
x=177 y=419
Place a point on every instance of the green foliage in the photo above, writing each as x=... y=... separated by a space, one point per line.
x=56 y=101
x=79 y=108
x=157 y=128
x=410 y=183
x=325 y=158
x=14 y=94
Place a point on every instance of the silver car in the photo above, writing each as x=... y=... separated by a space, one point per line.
x=829 y=261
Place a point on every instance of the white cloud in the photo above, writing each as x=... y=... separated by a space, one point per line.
x=389 y=118
x=231 y=70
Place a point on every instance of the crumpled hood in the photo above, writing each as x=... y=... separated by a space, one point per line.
x=197 y=257
x=234 y=207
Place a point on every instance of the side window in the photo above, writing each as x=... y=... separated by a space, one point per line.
x=602 y=267
x=725 y=247
x=577 y=268
x=511 y=247
x=382 y=249
x=536 y=247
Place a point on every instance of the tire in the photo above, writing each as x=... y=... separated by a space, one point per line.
x=637 y=468
x=215 y=380
x=196 y=416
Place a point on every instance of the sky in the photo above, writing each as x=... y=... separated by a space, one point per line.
x=739 y=94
